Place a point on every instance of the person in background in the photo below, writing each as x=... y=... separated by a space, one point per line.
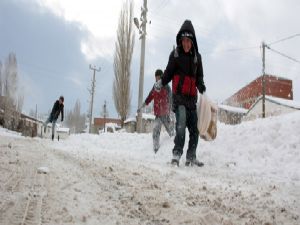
x=185 y=71
x=162 y=108
x=58 y=108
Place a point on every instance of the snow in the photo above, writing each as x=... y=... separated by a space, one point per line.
x=148 y=116
x=132 y=119
x=63 y=129
x=233 y=109
x=43 y=169
x=251 y=176
x=8 y=133
x=285 y=102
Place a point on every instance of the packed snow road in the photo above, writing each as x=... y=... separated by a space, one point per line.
x=116 y=179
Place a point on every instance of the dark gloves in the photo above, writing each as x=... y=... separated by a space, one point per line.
x=202 y=88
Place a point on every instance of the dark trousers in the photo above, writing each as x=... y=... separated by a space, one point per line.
x=51 y=120
x=186 y=118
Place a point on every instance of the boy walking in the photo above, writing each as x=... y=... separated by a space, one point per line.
x=58 y=108
x=162 y=104
x=185 y=71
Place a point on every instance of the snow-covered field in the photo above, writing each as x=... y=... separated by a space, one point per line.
x=251 y=176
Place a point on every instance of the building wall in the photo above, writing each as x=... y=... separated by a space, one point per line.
x=272 y=109
x=229 y=117
x=275 y=86
x=100 y=122
x=130 y=127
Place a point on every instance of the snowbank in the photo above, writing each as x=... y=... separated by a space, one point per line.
x=251 y=176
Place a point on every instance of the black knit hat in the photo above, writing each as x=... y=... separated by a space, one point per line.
x=158 y=72
x=62 y=98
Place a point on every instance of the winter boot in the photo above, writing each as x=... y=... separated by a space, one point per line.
x=155 y=150
x=193 y=162
x=175 y=160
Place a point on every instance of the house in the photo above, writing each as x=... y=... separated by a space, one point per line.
x=230 y=115
x=275 y=86
x=19 y=122
x=148 y=119
x=30 y=126
x=246 y=97
x=273 y=107
x=111 y=127
x=100 y=123
x=62 y=132
x=130 y=125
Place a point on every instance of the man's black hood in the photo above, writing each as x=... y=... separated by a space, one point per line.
x=187 y=26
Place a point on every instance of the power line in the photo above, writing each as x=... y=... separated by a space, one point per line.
x=162 y=5
x=282 y=54
x=233 y=50
x=284 y=39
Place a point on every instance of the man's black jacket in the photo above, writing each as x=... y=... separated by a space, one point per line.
x=57 y=108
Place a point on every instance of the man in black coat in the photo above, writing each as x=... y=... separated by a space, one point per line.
x=58 y=108
x=185 y=71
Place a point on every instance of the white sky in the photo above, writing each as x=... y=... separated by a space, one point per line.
x=220 y=27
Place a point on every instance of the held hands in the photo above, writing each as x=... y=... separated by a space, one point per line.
x=139 y=109
x=157 y=85
x=202 y=88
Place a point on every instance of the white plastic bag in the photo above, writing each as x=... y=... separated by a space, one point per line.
x=207 y=119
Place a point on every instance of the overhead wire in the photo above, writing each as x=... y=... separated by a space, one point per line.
x=284 y=39
x=282 y=54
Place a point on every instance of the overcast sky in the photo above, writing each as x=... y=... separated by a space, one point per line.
x=56 y=40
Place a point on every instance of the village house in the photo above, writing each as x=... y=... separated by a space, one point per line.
x=249 y=98
x=100 y=124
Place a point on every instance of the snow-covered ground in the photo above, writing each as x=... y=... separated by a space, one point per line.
x=251 y=176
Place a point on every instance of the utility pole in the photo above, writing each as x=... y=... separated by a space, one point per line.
x=36 y=120
x=104 y=114
x=142 y=32
x=263 y=81
x=92 y=96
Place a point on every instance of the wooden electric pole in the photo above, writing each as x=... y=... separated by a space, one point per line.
x=92 y=96
x=142 y=31
x=263 y=81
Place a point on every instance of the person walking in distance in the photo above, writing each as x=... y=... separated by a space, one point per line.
x=162 y=105
x=58 y=108
x=185 y=70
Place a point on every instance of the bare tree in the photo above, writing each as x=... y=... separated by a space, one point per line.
x=20 y=102
x=122 y=61
x=75 y=120
x=10 y=91
x=1 y=83
x=11 y=78
x=32 y=113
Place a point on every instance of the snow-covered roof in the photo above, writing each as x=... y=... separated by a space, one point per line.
x=233 y=109
x=279 y=101
x=112 y=125
x=148 y=116
x=63 y=129
x=132 y=119
x=285 y=102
